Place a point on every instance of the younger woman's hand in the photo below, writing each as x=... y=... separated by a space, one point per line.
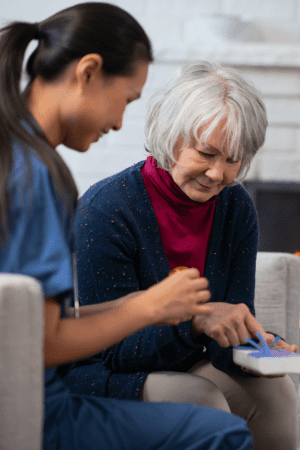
x=177 y=298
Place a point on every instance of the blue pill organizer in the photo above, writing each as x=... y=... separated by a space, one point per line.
x=265 y=361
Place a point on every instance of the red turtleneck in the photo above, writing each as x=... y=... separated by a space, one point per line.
x=185 y=225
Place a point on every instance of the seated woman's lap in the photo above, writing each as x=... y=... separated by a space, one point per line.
x=266 y=404
x=113 y=424
x=167 y=386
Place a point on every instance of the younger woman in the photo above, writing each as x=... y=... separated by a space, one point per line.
x=91 y=61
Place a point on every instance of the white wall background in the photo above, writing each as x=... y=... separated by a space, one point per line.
x=169 y=26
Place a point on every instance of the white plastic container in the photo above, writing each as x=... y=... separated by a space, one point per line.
x=280 y=363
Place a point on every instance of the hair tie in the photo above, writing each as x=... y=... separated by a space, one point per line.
x=37 y=31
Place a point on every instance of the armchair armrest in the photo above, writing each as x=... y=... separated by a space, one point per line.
x=21 y=362
x=277 y=295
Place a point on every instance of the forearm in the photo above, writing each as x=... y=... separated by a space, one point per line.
x=98 y=308
x=75 y=339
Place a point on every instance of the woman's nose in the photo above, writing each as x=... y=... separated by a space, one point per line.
x=216 y=171
x=118 y=124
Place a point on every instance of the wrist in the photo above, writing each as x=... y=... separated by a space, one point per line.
x=141 y=308
x=196 y=328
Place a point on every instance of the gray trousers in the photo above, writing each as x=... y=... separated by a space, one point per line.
x=268 y=405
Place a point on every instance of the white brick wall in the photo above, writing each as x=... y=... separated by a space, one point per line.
x=278 y=160
x=167 y=22
x=262 y=9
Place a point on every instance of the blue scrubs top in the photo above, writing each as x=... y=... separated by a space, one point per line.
x=40 y=240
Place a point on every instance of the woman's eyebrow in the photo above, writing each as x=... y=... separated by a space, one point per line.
x=210 y=147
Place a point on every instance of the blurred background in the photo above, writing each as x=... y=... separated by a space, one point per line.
x=260 y=38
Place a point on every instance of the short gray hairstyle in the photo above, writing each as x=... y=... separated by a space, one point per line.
x=202 y=92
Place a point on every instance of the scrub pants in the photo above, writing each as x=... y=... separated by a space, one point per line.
x=86 y=423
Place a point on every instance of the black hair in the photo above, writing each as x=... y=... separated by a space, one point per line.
x=70 y=34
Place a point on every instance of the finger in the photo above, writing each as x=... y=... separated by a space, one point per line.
x=252 y=325
x=284 y=346
x=192 y=273
x=233 y=336
x=292 y=348
x=236 y=330
x=203 y=296
x=220 y=336
x=199 y=283
x=202 y=309
x=243 y=333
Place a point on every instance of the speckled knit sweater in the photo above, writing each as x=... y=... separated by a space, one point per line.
x=119 y=250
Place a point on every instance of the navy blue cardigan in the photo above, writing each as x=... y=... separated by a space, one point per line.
x=119 y=250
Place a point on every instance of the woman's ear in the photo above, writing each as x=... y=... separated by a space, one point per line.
x=88 y=68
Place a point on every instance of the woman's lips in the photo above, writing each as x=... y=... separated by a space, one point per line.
x=205 y=187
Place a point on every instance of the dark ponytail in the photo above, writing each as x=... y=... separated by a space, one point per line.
x=69 y=35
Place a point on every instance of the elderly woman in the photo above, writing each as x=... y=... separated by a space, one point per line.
x=184 y=206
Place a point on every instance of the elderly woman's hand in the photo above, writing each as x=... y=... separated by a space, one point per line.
x=227 y=324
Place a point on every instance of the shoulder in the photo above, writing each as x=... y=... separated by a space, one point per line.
x=31 y=188
x=238 y=206
x=116 y=190
x=27 y=171
x=236 y=196
x=237 y=199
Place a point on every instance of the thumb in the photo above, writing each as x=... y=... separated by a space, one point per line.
x=204 y=310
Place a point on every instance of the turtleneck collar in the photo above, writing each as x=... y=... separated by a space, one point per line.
x=169 y=192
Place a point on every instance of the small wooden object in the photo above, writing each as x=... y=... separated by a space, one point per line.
x=177 y=269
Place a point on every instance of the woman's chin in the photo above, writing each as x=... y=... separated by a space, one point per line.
x=198 y=196
x=81 y=147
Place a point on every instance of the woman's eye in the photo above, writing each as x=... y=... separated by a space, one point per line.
x=211 y=155
x=207 y=154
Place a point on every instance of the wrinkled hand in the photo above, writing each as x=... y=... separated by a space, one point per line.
x=280 y=344
x=227 y=324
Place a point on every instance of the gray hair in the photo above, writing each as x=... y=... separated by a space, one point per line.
x=199 y=93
